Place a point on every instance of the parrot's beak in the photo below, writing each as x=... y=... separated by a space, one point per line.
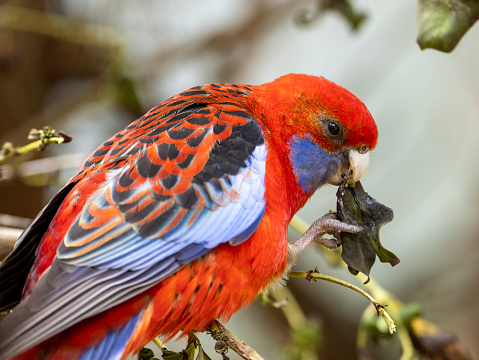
x=358 y=164
x=355 y=165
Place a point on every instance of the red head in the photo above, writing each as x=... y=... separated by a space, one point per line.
x=326 y=129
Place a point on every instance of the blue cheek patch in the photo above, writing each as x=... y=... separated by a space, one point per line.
x=312 y=165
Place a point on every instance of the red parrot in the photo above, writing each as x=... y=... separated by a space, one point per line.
x=179 y=219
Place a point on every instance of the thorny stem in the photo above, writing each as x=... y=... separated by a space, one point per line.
x=292 y=311
x=313 y=275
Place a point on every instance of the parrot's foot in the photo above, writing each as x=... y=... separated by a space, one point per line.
x=327 y=224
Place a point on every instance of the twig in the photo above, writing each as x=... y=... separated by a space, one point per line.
x=219 y=332
x=42 y=138
x=301 y=226
x=292 y=310
x=313 y=275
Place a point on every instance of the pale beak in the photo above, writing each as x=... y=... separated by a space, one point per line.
x=358 y=164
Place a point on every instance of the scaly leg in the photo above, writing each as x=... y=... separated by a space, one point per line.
x=327 y=224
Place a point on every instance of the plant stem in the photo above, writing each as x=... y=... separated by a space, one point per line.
x=317 y=275
x=8 y=151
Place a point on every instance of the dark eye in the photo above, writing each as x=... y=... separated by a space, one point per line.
x=334 y=129
x=363 y=149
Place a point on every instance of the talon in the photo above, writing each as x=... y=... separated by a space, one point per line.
x=329 y=243
x=327 y=224
x=337 y=236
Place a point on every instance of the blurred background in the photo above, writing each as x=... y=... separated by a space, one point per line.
x=91 y=67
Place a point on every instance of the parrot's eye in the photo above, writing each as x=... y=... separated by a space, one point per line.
x=363 y=149
x=334 y=129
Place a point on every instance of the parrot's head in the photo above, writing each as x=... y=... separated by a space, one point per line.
x=327 y=131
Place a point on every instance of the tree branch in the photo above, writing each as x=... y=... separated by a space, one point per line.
x=42 y=138
x=220 y=333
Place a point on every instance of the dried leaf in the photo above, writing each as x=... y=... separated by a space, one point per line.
x=356 y=207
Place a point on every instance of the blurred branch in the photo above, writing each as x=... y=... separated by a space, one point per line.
x=434 y=342
x=94 y=90
x=263 y=17
x=54 y=25
x=353 y=16
x=306 y=334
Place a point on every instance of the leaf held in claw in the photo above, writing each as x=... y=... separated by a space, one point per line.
x=356 y=207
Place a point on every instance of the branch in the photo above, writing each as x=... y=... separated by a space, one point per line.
x=220 y=333
x=316 y=275
x=42 y=138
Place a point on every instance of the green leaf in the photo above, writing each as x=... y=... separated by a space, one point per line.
x=442 y=23
x=356 y=207
x=171 y=355
x=202 y=355
x=305 y=341
x=190 y=350
x=409 y=311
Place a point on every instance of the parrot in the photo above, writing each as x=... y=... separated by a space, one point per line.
x=181 y=218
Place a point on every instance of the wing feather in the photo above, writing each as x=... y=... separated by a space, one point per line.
x=183 y=179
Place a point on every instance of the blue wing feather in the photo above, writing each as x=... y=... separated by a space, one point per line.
x=114 y=342
x=97 y=268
